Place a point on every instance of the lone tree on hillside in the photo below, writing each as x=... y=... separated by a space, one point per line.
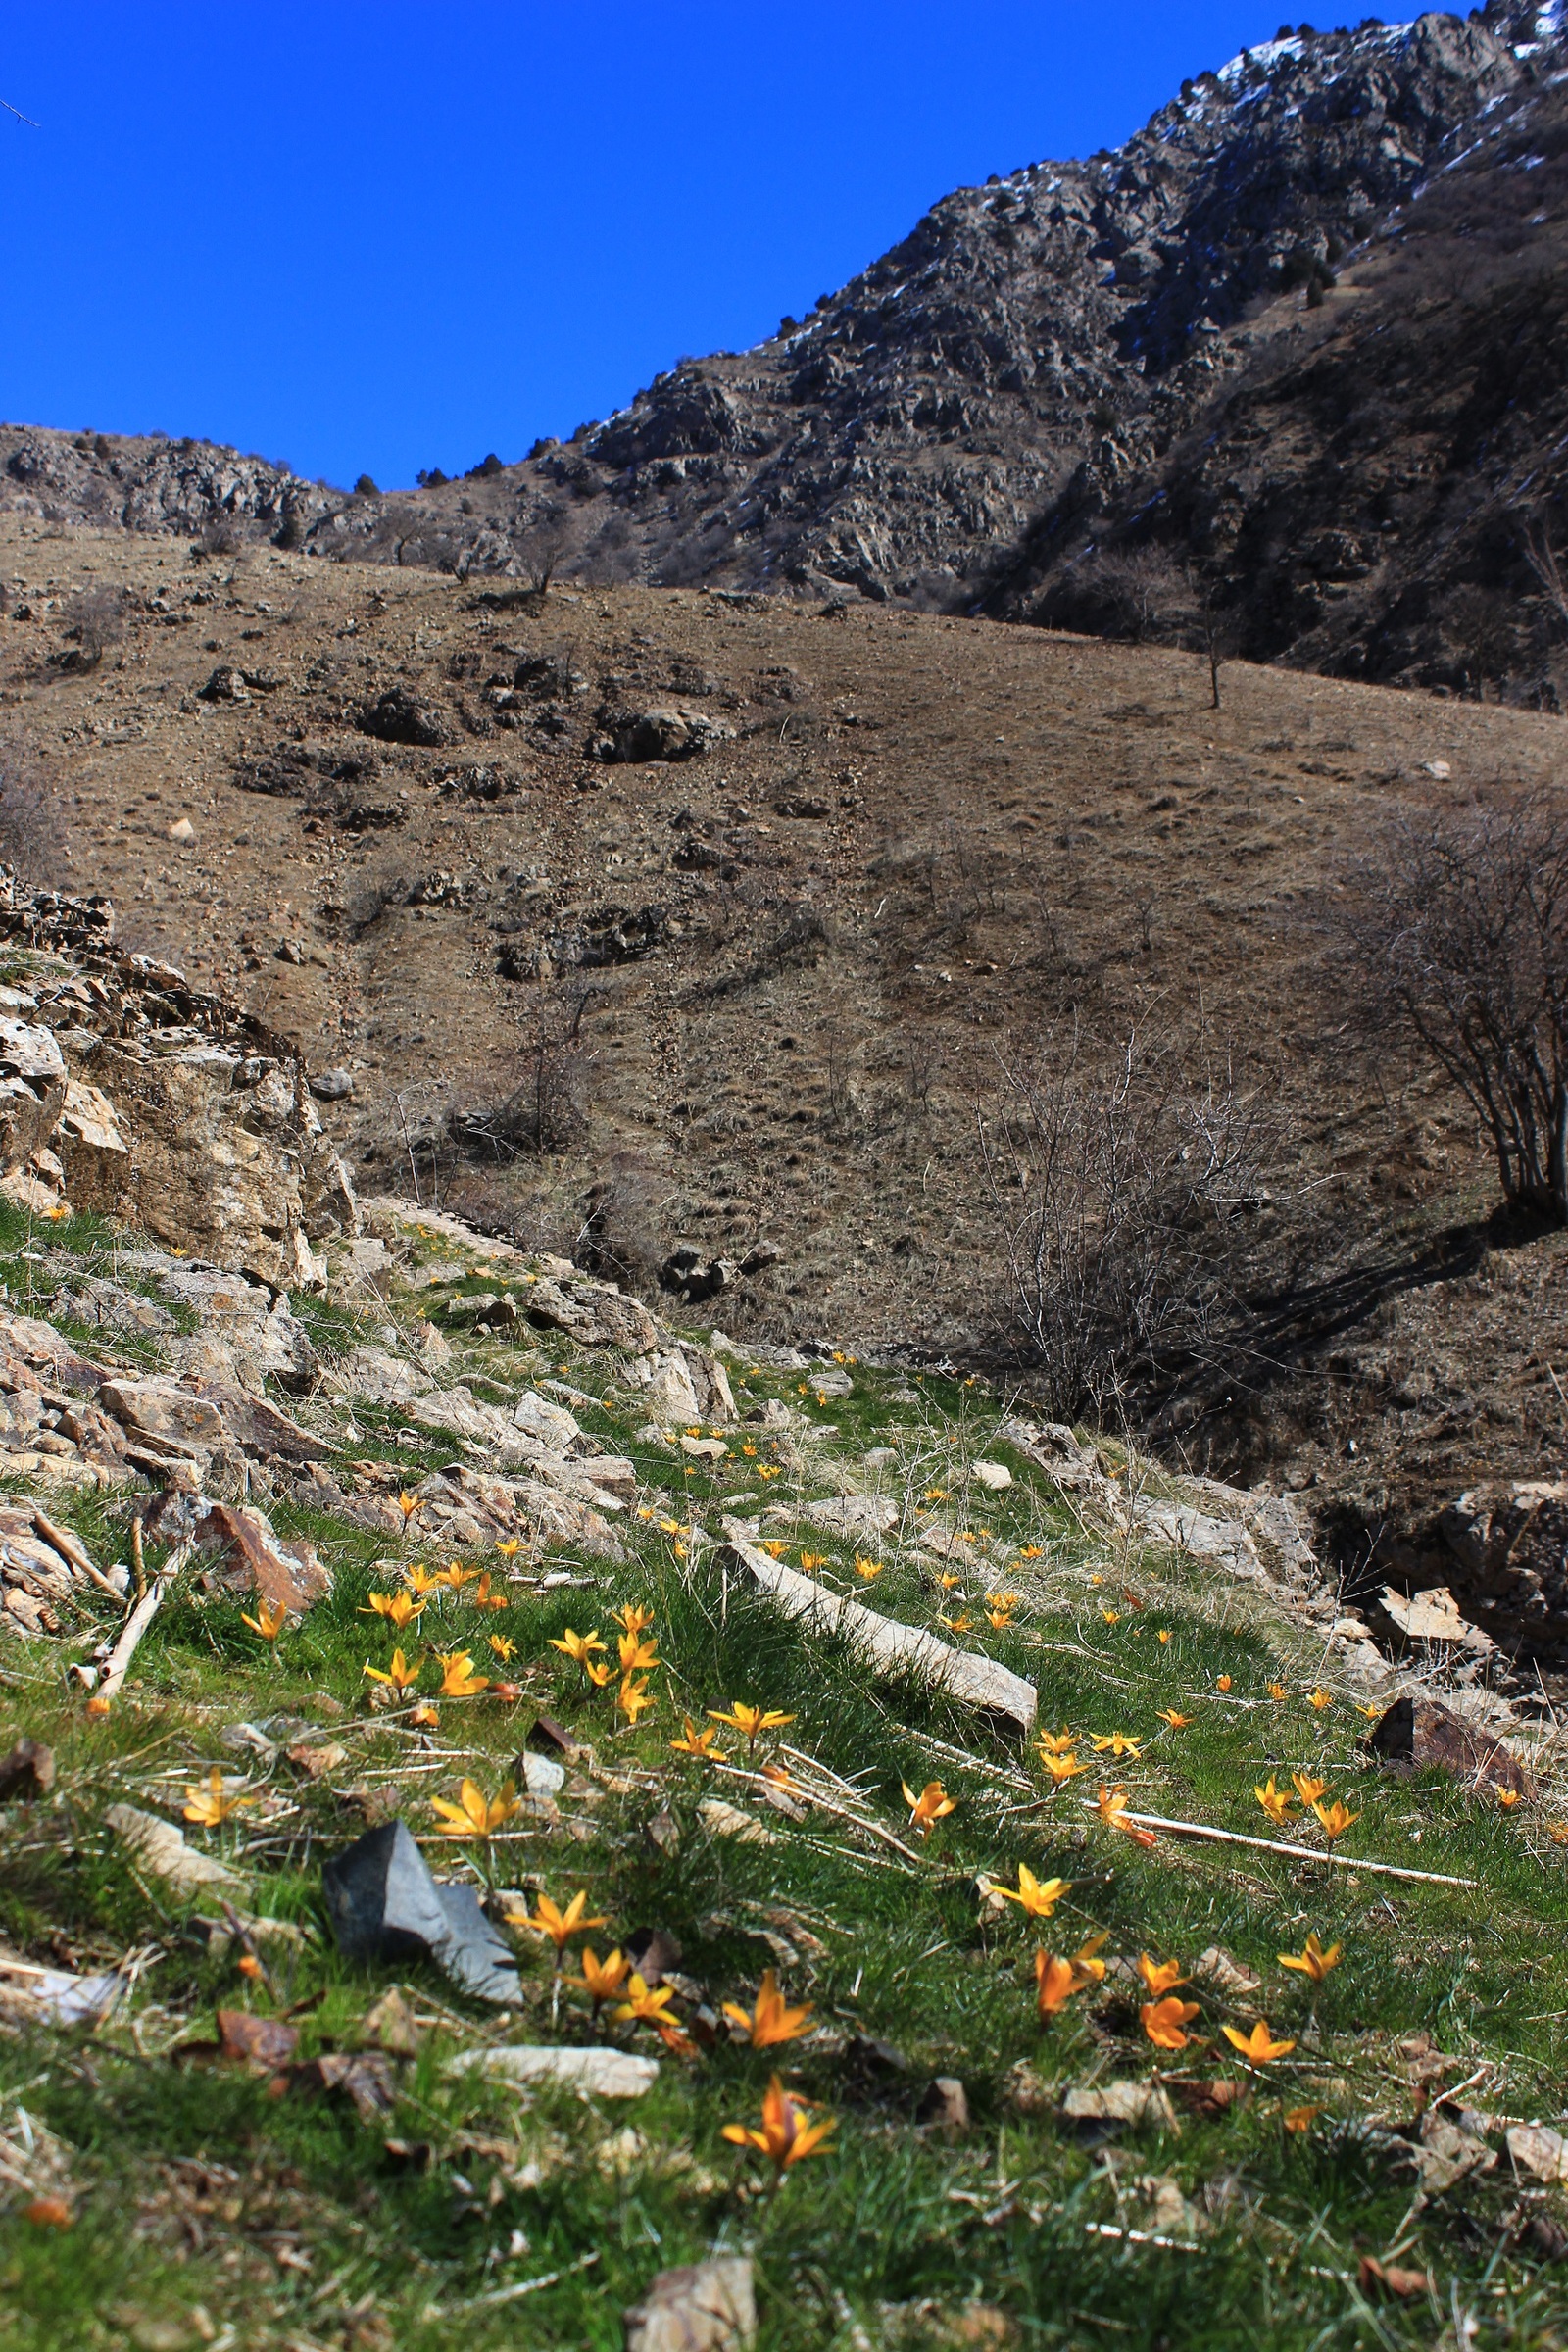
x=1461 y=943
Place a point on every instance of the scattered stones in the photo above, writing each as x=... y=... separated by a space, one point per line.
x=1420 y=1734
x=592 y=2072
x=701 y=2307
x=385 y=1905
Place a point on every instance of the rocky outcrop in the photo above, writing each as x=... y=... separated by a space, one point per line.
x=125 y=1090
x=1029 y=350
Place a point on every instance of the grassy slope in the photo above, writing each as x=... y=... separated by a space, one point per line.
x=211 y=2210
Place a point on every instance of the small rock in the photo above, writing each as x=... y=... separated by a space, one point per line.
x=390 y=2022
x=944 y=2107
x=594 y=2073
x=1538 y=2150
x=1419 y=1734
x=701 y=2307
x=182 y=830
x=385 y=1905
x=333 y=1086
x=993 y=1475
x=728 y=1821
x=362 y=2075
x=29 y=1771
x=1120 y=2102
x=160 y=1848
x=1221 y=1969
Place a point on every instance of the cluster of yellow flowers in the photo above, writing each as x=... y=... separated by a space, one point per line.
x=784 y=2135
x=1334 y=1818
x=403 y=1609
x=637 y=1649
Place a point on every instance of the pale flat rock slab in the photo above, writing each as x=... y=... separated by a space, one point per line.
x=160 y=1848
x=1120 y=2104
x=1538 y=2150
x=593 y=2072
x=1430 y=1616
x=552 y=1424
x=701 y=2307
x=728 y=1821
x=995 y=1477
x=859 y=1518
x=1225 y=1543
x=380 y=1378
x=978 y=1682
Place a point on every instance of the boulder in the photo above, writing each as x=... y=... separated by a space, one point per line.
x=693 y=1278
x=286 y=1576
x=594 y=1314
x=1510 y=1541
x=32 y=1089
x=164 y=1416
x=209 y=1170
x=398 y=717
x=662 y=731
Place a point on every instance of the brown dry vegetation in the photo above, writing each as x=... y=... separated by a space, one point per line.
x=1015 y=836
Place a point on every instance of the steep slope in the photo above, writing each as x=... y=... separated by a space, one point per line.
x=754 y=999
x=1362 y=498
x=1047 y=335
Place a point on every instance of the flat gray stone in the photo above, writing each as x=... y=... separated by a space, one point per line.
x=596 y=2073
x=978 y=1682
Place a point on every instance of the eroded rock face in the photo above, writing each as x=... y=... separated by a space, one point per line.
x=125 y=1090
x=1510 y=1541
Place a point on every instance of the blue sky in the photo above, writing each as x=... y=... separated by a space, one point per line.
x=389 y=236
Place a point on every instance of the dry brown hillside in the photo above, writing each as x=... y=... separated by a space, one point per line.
x=758 y=993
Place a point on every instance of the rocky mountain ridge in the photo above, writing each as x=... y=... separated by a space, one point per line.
x=1044 y=339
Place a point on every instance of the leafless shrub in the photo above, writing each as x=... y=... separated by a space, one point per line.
x=1458 y=941
x=1131 y=1196
x=222 y=536
x=619 y=1237
x=32 y=822
x=539 y=1108
x=94 y=621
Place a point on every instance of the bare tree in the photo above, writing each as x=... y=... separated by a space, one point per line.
x=1129 y=1197
x=1459 y=940
x=542 y=544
